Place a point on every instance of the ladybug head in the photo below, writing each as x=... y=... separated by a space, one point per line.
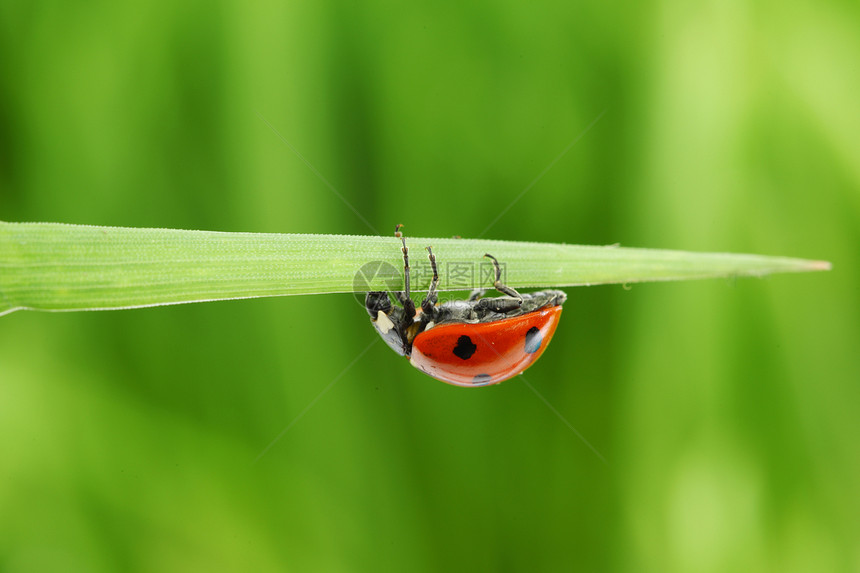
x=391 y=322
x=375 y=302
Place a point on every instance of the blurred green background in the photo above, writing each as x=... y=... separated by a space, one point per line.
x=726 y=411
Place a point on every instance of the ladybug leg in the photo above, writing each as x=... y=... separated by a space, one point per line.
x=403 y=297
x=513 y=301
x=498 y=282
x=428 y=305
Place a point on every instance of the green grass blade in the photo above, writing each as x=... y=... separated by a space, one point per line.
x=53 y=266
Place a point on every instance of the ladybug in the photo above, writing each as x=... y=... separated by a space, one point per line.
x=473 y=342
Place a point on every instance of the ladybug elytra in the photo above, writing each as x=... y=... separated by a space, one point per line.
x=473 y=342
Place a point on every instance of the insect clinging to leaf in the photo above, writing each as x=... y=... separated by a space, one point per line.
x=473 y=342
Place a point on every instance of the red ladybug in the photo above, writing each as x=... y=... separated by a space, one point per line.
x=473 y=342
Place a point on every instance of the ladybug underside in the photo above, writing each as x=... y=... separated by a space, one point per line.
x=399 y=331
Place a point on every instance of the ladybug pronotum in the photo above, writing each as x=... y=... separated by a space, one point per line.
x=473 y=342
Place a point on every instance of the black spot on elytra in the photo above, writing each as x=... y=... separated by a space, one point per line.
x=465 y=348
x=533 y=340
x=481 y=380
